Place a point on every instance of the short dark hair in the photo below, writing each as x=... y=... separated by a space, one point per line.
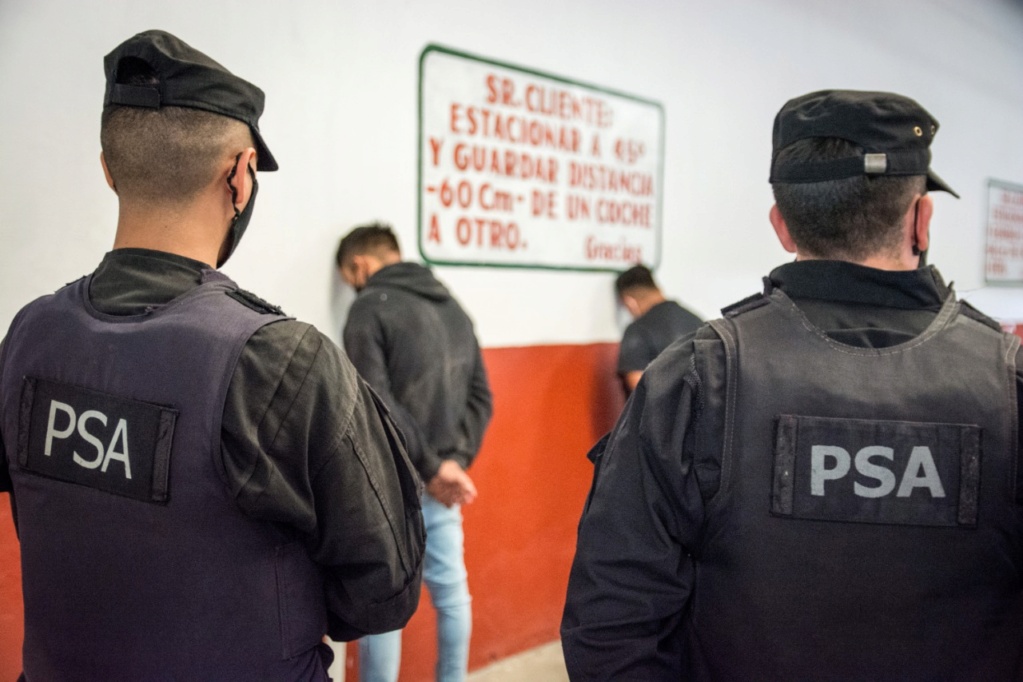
x=636 y=277
x=371 y=238
x=165 y=154
x=849 y=219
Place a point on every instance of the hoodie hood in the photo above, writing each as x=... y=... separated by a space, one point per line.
x=411 y=277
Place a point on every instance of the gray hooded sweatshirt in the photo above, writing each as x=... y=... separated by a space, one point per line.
x=412 y=343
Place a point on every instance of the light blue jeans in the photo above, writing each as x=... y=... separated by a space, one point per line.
x=446 y=579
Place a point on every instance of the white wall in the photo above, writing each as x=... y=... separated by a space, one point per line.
x=341 y=118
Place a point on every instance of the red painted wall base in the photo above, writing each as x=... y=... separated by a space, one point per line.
x=551 y=404
x=12 y=614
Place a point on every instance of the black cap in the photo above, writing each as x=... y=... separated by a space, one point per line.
x=894 y=132
x=187 y=78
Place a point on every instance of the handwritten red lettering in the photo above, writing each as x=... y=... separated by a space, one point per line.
x=435 y=145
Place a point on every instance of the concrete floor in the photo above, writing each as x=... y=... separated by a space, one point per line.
x=542 y=664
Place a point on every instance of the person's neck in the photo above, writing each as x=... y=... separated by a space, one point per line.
x=191 y=231
x=878 y=262
x=889 y=263
x=378 y=263
x=648 y=300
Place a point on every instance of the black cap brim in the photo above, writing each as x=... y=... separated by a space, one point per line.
x=265 y=161
x=935 y=183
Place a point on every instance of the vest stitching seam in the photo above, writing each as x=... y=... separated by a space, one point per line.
x=206 y=288
x=1010 y=390
x=730 y=379
x=938 y=325
x=1011 y=350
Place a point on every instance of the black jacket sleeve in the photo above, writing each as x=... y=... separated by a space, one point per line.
x=306 y=443
x=5 y=483
x=5 y=476
x=631 y=578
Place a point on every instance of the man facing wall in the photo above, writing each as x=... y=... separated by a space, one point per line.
x=657 y=323
x=411 y=340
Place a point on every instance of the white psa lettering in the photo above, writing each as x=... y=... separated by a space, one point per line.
x=819 y=471
x=876 y=472
x=90 y=439
x=924 y=474
x=51 y=433
x=120 y=435
x=830 y=463
x=119 y=439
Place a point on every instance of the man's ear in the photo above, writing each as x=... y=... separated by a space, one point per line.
x=781 y=229
x=359 y=271
x=922 y=222
x=106 y=172
x=631 y=304
x=240 y=178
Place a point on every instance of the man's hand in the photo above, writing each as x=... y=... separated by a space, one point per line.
x=451 y=485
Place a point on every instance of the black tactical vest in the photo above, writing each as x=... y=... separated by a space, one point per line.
x=866 y=526
x=137 y=563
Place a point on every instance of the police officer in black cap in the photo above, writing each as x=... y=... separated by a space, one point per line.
x=825 y=483
x=203 y=487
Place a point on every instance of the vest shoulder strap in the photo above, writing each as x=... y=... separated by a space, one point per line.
x=974 y=314
x=726 y=331
x=73 y=282
x=254 y=302
x=745 y=305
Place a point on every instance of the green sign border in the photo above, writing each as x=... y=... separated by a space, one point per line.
x=433 y=47
x=1002 y=184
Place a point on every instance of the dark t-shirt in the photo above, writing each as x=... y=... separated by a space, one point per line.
x=652 y=332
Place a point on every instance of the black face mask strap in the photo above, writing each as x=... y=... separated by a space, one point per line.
x=234 y=190
x=916 y=248
x=241 y=218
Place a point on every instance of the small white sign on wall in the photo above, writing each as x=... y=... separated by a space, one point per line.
x=1003 y=260
x=519 y=168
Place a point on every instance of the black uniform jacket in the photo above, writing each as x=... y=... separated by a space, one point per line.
x=304 y=445
x=411 y=340
x=627 y=596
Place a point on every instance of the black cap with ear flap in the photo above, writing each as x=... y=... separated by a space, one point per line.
x=184 y=77
x=894 y=132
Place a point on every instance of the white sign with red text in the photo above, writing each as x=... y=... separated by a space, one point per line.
x=523 y=169
x=1003 y=260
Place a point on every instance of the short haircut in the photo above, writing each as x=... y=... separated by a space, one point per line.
x=375 y=238
x=636 y=277
x=849 y=219
x=167 y=154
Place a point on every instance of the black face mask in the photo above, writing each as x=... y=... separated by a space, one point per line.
x=241 y=218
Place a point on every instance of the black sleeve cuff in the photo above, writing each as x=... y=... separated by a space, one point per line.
x=385 y=616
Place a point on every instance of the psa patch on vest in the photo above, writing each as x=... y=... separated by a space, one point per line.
x=115 y=444
x=873 y=471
